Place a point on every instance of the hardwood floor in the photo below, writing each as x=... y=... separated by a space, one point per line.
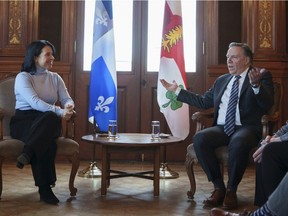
x=125 y=196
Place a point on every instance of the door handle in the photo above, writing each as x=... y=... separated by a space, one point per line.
x=143 y=83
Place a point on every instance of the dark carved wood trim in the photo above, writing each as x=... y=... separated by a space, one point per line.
x=68 y=45
x=264 y=29
x=19 y=23
x=190 y=172
x=211 y=10
x=74 y=159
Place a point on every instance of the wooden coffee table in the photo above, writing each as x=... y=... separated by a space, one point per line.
x=132 y=142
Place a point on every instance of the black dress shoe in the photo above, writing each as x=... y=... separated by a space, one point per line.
x=22 y=160
x=47 y=195
x=216 y=198
x=230 y=201
x=19 y=165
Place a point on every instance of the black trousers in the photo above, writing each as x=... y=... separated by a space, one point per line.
x=271 y=170
x=39 y=131
x=239 y=145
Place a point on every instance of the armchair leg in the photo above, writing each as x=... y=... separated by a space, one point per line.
x=74 y=159
x=190 y=172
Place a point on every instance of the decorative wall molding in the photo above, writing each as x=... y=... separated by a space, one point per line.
x=15 y=22
x=264 y=29
x=265 y=24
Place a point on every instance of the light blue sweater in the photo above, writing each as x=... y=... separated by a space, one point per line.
x=41 y=91
x=283 y=132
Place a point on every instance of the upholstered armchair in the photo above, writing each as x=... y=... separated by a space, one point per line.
x=11 y=148
x=269 y=122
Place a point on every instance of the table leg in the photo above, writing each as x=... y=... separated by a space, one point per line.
x=104 y=171
x=156 y=170
x=108 y=170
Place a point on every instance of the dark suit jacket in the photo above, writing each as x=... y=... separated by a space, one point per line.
x=251 y=106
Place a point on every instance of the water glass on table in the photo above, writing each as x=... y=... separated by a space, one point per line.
x=112 y=129
x=155 y=134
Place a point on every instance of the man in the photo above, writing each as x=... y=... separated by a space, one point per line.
x=253 y=97
x=277 y=204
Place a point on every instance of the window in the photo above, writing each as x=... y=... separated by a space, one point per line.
x=123 y=26
x=155 y=25
x=122 y=21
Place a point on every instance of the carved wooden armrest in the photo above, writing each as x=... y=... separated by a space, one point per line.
x=270 y=118
x=68 y=127
x=269 y=124
x=199 y=117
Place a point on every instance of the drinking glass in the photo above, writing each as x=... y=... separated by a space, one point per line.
x=155 y=134
x=112 y=129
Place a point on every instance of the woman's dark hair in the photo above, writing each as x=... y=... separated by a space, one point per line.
x=34 y=50
x=246 y=50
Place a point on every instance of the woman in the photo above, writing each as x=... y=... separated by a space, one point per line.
x=37 y=120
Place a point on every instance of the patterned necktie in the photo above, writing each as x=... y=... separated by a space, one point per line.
x=229 y=126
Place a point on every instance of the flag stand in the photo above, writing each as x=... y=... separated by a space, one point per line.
x=92 y=171
x=165 y=171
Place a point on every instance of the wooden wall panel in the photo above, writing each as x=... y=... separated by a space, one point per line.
x=68 y=42
x=229 y=26
x=50 y=29
x=17 y=27
x=264 y=29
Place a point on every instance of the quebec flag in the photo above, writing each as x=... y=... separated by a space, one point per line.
x=103 y=78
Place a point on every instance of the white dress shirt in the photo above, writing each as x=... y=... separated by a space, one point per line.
x=225 y=100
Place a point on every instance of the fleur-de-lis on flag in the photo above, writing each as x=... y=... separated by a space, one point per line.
x=103 y=19
x=102 y=104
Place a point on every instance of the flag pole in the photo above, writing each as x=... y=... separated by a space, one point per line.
x=92 y=171
x=165 y=171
